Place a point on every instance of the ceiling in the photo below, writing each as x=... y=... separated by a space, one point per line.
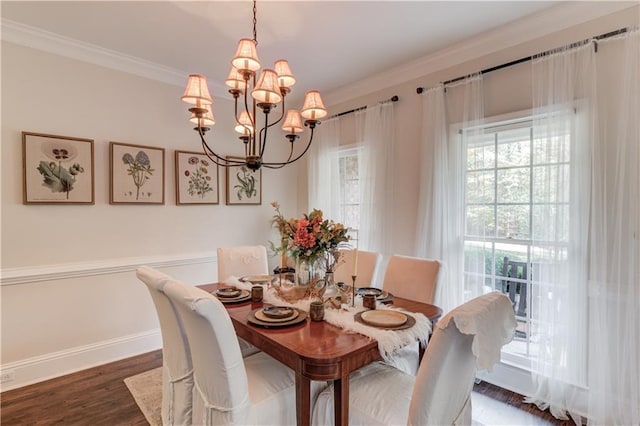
x=329 y=44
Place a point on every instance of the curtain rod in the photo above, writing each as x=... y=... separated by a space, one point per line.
x=394 y=98
x=528 y=58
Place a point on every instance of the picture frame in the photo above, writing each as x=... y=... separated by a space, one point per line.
x=197 y=179
x=244 y=186
x=57 y=169
x=137 y=174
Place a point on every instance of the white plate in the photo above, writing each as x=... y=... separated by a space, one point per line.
x=384 y=318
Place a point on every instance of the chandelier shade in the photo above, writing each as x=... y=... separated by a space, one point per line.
x=197 y=91
x=255 y=90
x=246 y=58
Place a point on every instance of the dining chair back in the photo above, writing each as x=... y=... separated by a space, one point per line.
x=412 y=278
x=229 y=389
x=467 y=339
x=177 y=374
x=238 y=262
x=368 y=263
x=241 y=261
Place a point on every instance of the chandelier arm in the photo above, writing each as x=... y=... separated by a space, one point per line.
x=272 y=165
x=215 y=157
x=263 y=142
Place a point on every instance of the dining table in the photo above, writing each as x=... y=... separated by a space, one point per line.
x=316 y=350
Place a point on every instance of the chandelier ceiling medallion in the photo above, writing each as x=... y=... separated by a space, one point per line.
x=268 y=91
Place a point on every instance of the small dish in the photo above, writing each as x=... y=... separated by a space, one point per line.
x=243 y=296
x=278 y=312
x=381 y=295
x=228 y=292
x=384 y=318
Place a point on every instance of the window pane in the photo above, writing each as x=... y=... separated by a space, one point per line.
x=351 y=192
x=550 y=222
x=551 y=183
x=550 y=149
x=481 y=152
x=349 y=167
x=513 y=185
x=480 y=221
x=351 y=216
x=480 y=187
x=513 y=221
x=514 y=147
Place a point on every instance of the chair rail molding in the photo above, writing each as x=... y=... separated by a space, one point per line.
x=31 y=274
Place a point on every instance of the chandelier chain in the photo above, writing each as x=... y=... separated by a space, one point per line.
x=255 y=23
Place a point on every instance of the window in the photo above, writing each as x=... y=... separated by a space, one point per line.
x=513 y=179
x=350 y=190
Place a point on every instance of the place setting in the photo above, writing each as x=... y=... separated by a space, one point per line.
x=257 y=279
x=380 y=295
x=232 y=295
x=276 y=316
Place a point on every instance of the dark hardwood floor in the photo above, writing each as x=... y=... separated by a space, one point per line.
x=98 y=396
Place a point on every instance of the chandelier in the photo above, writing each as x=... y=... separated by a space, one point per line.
x=268 y=91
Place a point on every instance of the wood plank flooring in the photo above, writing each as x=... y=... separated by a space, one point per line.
x=98 y=396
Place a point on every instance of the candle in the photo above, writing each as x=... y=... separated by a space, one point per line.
x=355 y=262
x=281 y=259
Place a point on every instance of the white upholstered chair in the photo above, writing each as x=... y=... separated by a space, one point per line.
x=368 y=262
x=467 y=339
x=416 y=279
x=228 y=388
x=412 y=278
x=241 y=261
x=177 y=374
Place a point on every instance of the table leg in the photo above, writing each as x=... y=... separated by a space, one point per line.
x=303 y=400
x=341 y=401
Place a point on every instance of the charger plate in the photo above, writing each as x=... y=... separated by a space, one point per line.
x=242 y=297
x=251 y=318
x=386 y=319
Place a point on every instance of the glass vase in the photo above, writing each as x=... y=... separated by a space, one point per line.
x=307 y=272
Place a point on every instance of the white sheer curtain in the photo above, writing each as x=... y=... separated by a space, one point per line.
x=559 y=232
x=375 y=127
x=586 y=294
x=324 y=170
x=441 y=208
x=614 y=274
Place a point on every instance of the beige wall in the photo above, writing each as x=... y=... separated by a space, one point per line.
x=506 y=90
x=68 y=283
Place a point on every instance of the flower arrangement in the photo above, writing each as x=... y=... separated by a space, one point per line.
x=310 y=238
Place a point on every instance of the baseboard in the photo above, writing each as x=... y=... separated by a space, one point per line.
x=49 y=366
x=509 y=377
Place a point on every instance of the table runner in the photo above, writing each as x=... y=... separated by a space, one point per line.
x=389 y=341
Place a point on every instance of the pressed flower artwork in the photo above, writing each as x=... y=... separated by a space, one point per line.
x=57 y=169
x=196 y=179
x=244 y=186
x=137 y=174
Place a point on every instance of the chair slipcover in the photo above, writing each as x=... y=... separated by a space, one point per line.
x=368 y=262
x=230 y=389
x=177 y=374
x=415 y=279
x=441 y=392
x=242 y=261
x=239 y=262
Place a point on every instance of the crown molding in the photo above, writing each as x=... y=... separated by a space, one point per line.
x=36 y=38
x=529 y=28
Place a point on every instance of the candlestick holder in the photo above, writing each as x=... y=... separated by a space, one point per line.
x=353 y=290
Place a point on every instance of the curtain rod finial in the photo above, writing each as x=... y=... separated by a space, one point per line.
x=419 y=90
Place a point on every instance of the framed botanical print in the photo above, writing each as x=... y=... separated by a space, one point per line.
x=244 y=186
x=196 y=179
x=137 y=174
x=57 y=169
